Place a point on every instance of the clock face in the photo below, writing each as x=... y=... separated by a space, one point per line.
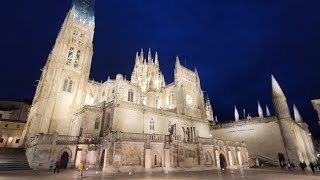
x=189 y=99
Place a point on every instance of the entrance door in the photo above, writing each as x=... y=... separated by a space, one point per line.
x=64 y=160
x=223 y=161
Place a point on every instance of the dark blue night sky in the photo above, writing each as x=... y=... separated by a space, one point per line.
x=235 y=45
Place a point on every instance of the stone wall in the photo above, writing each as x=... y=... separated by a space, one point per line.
x=263 y=139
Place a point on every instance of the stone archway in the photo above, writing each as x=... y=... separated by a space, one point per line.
x=64 y=160
x=223 y=161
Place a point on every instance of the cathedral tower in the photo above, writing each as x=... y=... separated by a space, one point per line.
x=283 y=114
x=62 y=87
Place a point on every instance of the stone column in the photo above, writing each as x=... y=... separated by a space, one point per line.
x=216 y=153
x=167 y=158
x=230 y=158
x=148 y=159
x=194 y=134
x=105 y=158
x=239 y=158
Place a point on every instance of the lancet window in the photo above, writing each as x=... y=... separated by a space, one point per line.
x=70 y=55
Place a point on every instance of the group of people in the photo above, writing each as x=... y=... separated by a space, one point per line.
x=57 y=164
x=314 y=166
x=288 y=165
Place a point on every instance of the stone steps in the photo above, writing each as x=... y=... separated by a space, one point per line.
x=13 y=159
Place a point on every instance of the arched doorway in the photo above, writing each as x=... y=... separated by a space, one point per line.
x=281 y=159
x=223 y=161
x=64 y=160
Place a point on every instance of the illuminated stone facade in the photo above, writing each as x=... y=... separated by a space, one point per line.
x=272 y=137
x=140 y=124
x=13 y=117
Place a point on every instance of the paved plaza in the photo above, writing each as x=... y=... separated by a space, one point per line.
x=247 y=174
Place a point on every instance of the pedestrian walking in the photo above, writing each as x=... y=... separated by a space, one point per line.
x=57 y=166
x=81 y=167
x=51 y=165
x=312 y=167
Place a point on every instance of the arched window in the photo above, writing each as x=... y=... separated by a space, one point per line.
x=152 y=124
x=103 y=93
x=70 y=86
x=169 y=126
x=70 y=56
x=65 y=85
x=130 y=95
x=77 y=59
x=96 y=124
x=170 y=98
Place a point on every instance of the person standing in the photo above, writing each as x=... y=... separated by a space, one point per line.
x=81 y=167
x=57 y=166
x=312 y=167
x=51 y=164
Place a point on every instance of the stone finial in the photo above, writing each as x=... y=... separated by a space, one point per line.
x=297 y=115
x=216 y=118
x=236 y=114
x=260 y=111
x=268 y=111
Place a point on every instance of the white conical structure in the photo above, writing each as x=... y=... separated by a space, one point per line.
x=156 y=61
x=268 y=111
x=279 y=101
x=216 y=118
x=236 y=114
x=297 y=115
x=150 y=57
x=260 y=111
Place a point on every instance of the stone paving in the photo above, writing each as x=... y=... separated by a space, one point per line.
x=246 y=174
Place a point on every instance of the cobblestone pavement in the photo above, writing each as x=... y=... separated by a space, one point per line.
x=247 y=174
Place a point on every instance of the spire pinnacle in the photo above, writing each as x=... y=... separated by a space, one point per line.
x=177 y=61
x=297 y=115
x=260 y=111
x=156 y=59
x=276 y=89
x=149 y=56
x=236 y=114
x=137 y=58
x=141 y=56
x=268 y=111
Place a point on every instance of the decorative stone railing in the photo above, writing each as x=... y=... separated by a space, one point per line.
x=114 y=136
x=220 y=142
x=243 y=122
x=61 y=139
